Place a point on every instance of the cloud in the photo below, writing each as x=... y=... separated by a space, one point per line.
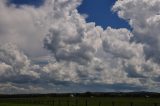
x=80 y=53
x=24 y=27
x=14 y=63
x=145 y=29
x=17 y=72
x=122 y=59
x=12 y=88
x=145 y=23
x=76 y=44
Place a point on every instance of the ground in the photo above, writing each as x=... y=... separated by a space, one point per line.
x=80 y=101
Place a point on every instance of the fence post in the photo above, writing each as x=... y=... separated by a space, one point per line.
x=86 y=102
x=53 y=102
x=99 y=103
x=113 y=104
x=155 y=104
x=67 y=102
x=76 y=102
x=59 y=102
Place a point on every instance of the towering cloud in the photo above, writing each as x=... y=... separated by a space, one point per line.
x=87 y=55
x=73 y=41
x=145 y=23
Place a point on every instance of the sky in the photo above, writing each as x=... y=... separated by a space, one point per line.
x=100 y=13
x=49 y=46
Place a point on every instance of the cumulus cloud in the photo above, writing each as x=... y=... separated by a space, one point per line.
x=145 y=23
x=23 y=26
x=80 y=53
x=14 y=65
x=122 y=59
x=74 y=44
x=18 y=74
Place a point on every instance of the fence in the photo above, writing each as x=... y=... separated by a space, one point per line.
x=73 y=102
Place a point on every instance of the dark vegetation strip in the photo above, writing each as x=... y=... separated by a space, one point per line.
x=82 y=99
x=87 y=94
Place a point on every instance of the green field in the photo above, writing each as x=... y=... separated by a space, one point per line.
x=80 y=101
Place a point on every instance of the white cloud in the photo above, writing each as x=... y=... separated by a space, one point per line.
x=123 y=59
x=145 y=23
x=24 y=27
x=14 y=65
x=75 y=45
x=80 y=52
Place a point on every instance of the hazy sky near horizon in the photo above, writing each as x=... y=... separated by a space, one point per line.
x=79 y=45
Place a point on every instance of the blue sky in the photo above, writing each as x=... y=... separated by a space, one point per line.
x=99 y=11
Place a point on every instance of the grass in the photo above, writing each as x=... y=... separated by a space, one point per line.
x=80 y=101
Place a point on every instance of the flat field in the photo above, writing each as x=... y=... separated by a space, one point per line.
x=80 y=101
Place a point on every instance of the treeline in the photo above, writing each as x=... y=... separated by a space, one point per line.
x=87 y=94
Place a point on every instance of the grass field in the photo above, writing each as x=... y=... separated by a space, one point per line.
x=80 y=101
